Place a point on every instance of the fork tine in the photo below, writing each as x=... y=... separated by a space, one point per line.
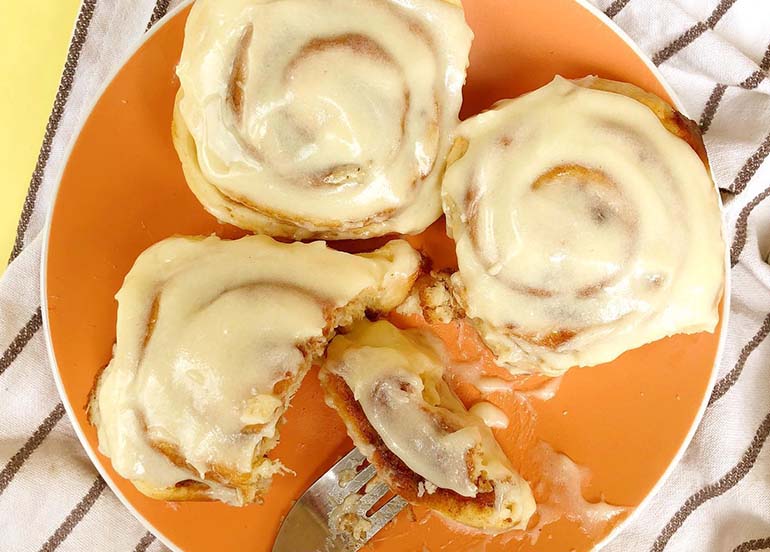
x=382 y=516
x=371 y=497
x=331 y=481
x=362 y=478
x=352 y=460
x=308 y=525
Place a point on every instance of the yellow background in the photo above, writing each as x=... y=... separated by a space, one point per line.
x=34 y=38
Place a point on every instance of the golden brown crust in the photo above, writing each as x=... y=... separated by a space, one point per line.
x=434 y=293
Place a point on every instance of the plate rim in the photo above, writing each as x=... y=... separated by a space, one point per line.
x=69 y=409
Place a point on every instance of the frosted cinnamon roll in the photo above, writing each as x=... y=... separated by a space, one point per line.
x=586 y=224
x=320 y=118
x=213 y=340
x=387 y=385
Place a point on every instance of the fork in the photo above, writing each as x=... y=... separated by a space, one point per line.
x=333 y=515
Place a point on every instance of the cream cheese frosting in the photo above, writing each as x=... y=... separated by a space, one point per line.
x=583 y=228
x=397 y=378
x=213 y=337
x=321 y=118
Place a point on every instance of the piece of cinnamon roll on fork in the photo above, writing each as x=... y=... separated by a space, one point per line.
x=387 y=385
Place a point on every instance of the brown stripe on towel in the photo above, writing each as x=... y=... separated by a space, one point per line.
x=749 y=83
x=65 y=86
x=75 y=516
x=765 y=63
x=24 y=336
x=741 y=226
x=711 y=107
x=161 y=7
x=615 y=7
x=693 y=32
x=750 y=167
x=724 y=384
x=754 y=544
x=18 y=459
x=753 y=80
x=145 y=542
x=725 y=483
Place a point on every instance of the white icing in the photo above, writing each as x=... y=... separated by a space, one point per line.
x=546 y=391
x=346 y=108
x=491 y=384
x=491 y=415
x=619 y=259
x=230 y=320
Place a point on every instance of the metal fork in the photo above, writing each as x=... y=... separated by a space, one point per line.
x=331 y=516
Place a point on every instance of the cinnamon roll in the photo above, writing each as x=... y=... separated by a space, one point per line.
x=319 y=118
x=213 y=339
x=586 y=224
x=387 y=385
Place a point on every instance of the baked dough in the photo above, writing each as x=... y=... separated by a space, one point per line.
x=320 y=118
x=586 y=224
x=213 y=340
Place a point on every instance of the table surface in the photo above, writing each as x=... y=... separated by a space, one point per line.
x=34 y=37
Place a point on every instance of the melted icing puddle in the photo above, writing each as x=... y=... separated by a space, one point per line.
x=561 y=483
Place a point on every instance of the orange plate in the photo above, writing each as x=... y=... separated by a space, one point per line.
x=123 y=190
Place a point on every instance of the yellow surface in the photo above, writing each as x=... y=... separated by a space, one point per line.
x=34 y=37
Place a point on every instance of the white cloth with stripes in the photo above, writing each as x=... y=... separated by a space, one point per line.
x=715 y=54
x=50 y=496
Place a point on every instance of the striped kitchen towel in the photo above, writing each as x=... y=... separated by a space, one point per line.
x=715 y=53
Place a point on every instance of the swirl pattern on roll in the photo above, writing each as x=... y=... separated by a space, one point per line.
x=213 y=339
x=304 y=118
x=586 y=224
